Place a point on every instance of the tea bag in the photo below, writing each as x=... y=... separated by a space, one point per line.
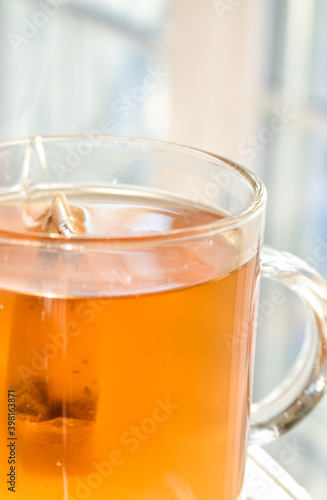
x=61 y=218
x=52 y=356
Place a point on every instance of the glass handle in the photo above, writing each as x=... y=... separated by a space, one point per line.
x=306 y=383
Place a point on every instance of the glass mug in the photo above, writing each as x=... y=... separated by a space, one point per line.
x=126 y=350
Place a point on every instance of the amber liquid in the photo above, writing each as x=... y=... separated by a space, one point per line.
x=142 y=396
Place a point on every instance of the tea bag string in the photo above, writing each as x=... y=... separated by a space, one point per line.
x=25 y=181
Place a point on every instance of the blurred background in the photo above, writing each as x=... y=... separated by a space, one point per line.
x=243 y=78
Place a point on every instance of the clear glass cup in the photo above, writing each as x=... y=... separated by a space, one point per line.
x=126 y=351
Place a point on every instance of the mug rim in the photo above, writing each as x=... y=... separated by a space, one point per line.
x=222 y=224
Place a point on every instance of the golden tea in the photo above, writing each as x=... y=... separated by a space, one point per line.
x=138 y=390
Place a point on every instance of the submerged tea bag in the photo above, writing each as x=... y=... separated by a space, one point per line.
x=52 y=366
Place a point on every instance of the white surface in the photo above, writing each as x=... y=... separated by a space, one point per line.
x=266 y=480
